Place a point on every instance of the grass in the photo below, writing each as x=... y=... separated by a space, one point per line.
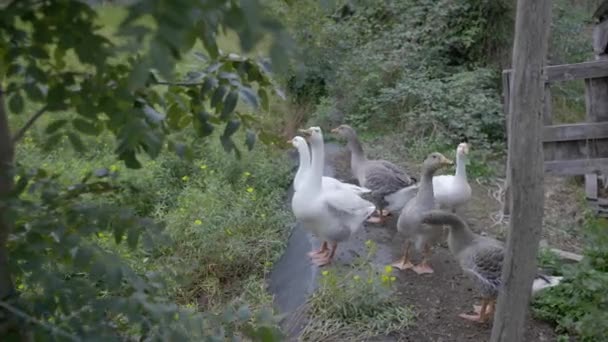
x=355 y=304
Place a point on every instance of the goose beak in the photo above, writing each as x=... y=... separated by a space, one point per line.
x=306 y=132
x=446 y=161
x=334 y=130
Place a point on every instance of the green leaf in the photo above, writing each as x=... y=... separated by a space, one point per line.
x=55 y=126
x=38 y=52
x=184 y=122
x=209 y=83
x=231 y=127
x=15 y=104
x=133 y=237
x=21 y=185
x=229 y=104
x=130 y=159
x=56 y=97
x=249 y=97
x=85 y=126
x=52 y=141
x=83 y=257
x=250 y=139
x=218 y=96
x=227 y=143
x=205 y=128
x=119 y=232
x=264 y=99
x=174 y=115
x=76 y=142
x=153 y=115
x=101 y=173
x=33 y=92
x=114 y=274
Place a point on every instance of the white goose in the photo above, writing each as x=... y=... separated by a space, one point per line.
x=333 y=214
x=304 y=168
x=453 y=191
x=450 y=191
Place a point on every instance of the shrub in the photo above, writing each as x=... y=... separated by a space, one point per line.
x=579 y=305
x=228 y=223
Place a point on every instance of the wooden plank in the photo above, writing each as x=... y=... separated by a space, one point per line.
x=591 y=186
x=530 y=46
x=578 y=131
x=576 y=71
x=567 y=255
x=576 y=167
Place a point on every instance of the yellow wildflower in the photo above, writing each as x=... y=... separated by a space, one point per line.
x=249 y=189
x=198 y=222
x=368 y=242
x=113 y=168
x=393 y=278
x=388 y=269
x=185 y=178
x=203 y=167
x=356 y=277
x=325 y=273
x=246 y=174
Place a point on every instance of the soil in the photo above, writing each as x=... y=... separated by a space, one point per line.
x=438 y=298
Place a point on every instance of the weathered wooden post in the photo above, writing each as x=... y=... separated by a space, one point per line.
x=596 y=91
x=526 y=169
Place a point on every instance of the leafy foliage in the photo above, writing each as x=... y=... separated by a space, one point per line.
x=100 y=82
x=578 y=305
x=383 y=63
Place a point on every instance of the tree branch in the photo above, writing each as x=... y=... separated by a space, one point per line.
x=20 y=133
x=54 y=330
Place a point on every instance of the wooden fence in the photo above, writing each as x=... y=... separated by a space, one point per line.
x=579 y=148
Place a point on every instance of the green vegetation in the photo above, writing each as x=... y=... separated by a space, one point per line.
x=356 y=304
x=139 y=203
x=120 y=218
x=579 y=304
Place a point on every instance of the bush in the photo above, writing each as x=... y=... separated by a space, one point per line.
x=229 y=225
x=382 y=63
x=225 y=226
x=579 y=305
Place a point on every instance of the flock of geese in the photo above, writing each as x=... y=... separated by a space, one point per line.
x=334 y=211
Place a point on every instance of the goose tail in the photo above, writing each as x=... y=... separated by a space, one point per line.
x=397 y=200
x=542 y=282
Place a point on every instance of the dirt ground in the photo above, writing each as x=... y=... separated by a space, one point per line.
x=438 y=298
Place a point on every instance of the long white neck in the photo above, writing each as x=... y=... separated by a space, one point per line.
x=304 y=166
x=318 y=158
x=461 y=169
